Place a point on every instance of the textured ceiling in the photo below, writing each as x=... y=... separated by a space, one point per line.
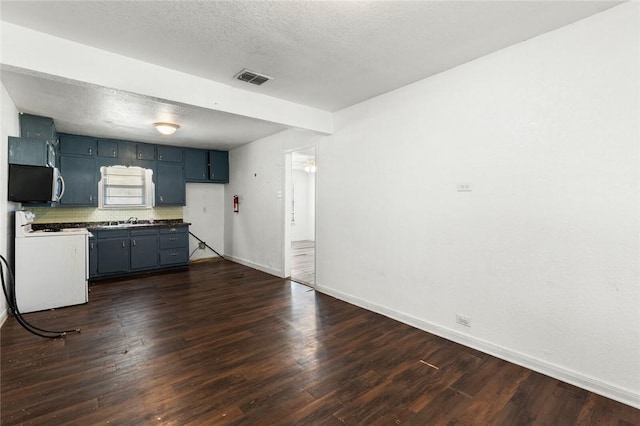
x=324 y=54
x=81 y=108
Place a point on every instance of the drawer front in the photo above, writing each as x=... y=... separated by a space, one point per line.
x=116 y=233
x=143 y=231
x=176 y=256
x=171 y=241
x=179 y=229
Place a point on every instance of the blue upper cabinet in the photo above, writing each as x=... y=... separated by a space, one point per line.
x=107 y=148
x=31 y=152
x=170 y=188
x=78 y=168
x=145 y=152
x=202 y=165
x=80 y=181
x=196 y=165
x=38 y=128
x=78 y=145
x=219 y=166
x=169 y=153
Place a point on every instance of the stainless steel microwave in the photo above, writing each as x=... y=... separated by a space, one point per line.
x=35 y=184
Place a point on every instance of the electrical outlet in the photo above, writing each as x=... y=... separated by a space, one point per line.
x=462 y=320
x=464 y=187
x=201 y=246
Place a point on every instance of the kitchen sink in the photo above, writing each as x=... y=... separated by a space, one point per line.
x=124 y=225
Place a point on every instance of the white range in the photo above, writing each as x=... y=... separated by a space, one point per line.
x=52 y=268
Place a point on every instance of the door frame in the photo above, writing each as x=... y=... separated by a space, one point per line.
x=287 y=199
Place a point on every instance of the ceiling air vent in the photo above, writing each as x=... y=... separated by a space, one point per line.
x=252 y=77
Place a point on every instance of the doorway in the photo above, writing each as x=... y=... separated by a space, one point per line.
x=302 y=217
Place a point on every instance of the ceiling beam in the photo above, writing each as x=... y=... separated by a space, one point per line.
x=31 y=50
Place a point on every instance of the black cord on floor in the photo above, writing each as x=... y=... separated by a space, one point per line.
x=10 y=297
x=205 y=244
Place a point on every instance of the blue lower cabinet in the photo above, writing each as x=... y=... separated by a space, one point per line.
x=113 y=255
x=117 y=252
x=174 y=245
x=93 y=257
x=144 y=249
x=173 y=257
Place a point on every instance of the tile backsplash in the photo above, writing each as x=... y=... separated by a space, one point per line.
x=91 y=214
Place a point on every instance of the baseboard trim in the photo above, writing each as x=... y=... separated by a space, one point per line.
x=205 y=260
x=262 y=268
x=572 y=377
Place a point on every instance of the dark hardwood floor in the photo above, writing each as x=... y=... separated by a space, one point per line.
x=224 y=344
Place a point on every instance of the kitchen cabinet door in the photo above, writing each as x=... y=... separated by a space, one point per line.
x=31 y=152
x=219 y=166
x=107 y=148
x=196 y=165
x=145 y=152
x=93 y=257
x=37 y=127
x=79 y=174
x=77 y=145
x=170 y=186
x=144 y=251
x=113 y=255
x=169 y=153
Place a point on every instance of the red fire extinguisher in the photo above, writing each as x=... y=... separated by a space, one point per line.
x=235 y=204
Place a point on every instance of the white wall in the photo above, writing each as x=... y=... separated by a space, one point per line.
x=255 y=235
x=9 y=126
x=303 y=229
x=543 y=253
x=205 y=212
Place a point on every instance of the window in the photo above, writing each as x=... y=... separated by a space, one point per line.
x=125 y=187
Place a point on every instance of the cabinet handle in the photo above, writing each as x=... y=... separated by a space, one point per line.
x=90 y=151
x=91 y=246
x=114 y=152
x=123 y=244
x=91 y=198
x=173 y=230
x=173 y=239
x=139 y=155
x=160 y=157
x=173 y=254
x=134 y=242
x=161 y=199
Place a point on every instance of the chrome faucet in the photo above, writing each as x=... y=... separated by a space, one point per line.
x=133 y=219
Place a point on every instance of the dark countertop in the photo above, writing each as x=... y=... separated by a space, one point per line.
x=100 y=226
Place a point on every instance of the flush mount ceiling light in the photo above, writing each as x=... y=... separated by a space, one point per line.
x=166 y=128
x=310 y=166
